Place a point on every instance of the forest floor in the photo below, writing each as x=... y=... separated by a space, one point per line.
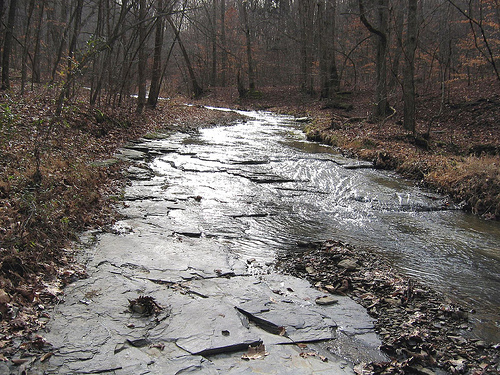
x=53 y=183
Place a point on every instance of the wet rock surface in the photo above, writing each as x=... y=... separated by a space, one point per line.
x=422 y=331
x=204 y=217
x=160 y=298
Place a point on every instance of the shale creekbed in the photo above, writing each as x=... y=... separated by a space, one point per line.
x=263 y=187
x=206 y=215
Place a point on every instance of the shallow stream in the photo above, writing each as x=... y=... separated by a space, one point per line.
x=262 y=187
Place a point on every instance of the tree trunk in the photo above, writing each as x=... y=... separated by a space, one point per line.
x=141 y=68
x=2 y=11
x=329 y=79
x=223 y=42
x=197 y=90
x=7 y=46
x=381 y=51
x=334 y=82
x=246 y=27
x=399 y=26
x=306 y=13
x=323 y=28
x=98 y=67
x=74 y=37
x=409 y=72
x=154 y=89
x=36 y=74
x=213 y=77
x=24 y=62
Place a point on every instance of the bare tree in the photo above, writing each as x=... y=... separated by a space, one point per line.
x=223 y=42
x=381 y=46
x=141 y=68
x=26 y=46
x=7 y=45
x=306 y=19
x=329 y=78
x=197 y=89
x=478 y=26
x=248 y=40
x=409 y=71
x=154 y=89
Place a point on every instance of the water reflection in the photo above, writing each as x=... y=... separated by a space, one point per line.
x=264 y=187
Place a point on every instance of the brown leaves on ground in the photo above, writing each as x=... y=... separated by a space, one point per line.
x=255 y=352
x=52 y=187
x=419 y=328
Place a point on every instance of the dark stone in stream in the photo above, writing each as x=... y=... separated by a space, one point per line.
x=359 y=165
x=140 y=173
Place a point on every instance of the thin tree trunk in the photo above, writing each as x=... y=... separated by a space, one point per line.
x=74 y=38
x=323 y=28
x=246 y=26
x=223 y=42
x=399 y=25
x=98 y=67
x=37 y=70
x=141 y=69
x=2 y=11
x=214 y=43
x=24 y=63
x=197 y=90
x=334 y=82
x=409 y=72
x=306 y=11
x=154 y=89
x=7 y=46
x=329 y=79
x=381 y=52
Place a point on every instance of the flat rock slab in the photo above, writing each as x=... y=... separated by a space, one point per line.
x=211 y=307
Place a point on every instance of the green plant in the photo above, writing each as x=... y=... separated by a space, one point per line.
x=7 y=117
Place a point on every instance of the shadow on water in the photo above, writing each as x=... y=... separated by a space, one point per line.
x=265 y=187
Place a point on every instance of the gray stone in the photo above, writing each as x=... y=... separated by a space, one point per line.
x=349 y=264
x=327 y=300
x=213 y=303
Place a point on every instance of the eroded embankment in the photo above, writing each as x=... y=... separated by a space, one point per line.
x=467 y=171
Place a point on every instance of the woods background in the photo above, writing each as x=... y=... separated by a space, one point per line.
x=145 y=47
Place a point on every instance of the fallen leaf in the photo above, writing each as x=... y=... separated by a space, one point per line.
x=4 y=296
x=158 y=345
x=255 y=352
x=46 y=356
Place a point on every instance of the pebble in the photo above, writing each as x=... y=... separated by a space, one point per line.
x=326 y=300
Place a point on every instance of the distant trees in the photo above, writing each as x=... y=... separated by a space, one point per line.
x=144 y=47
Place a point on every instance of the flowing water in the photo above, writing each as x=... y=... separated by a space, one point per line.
x=262 y=187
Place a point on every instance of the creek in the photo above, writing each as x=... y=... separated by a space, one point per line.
x=206 y=215
x=262 y=188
